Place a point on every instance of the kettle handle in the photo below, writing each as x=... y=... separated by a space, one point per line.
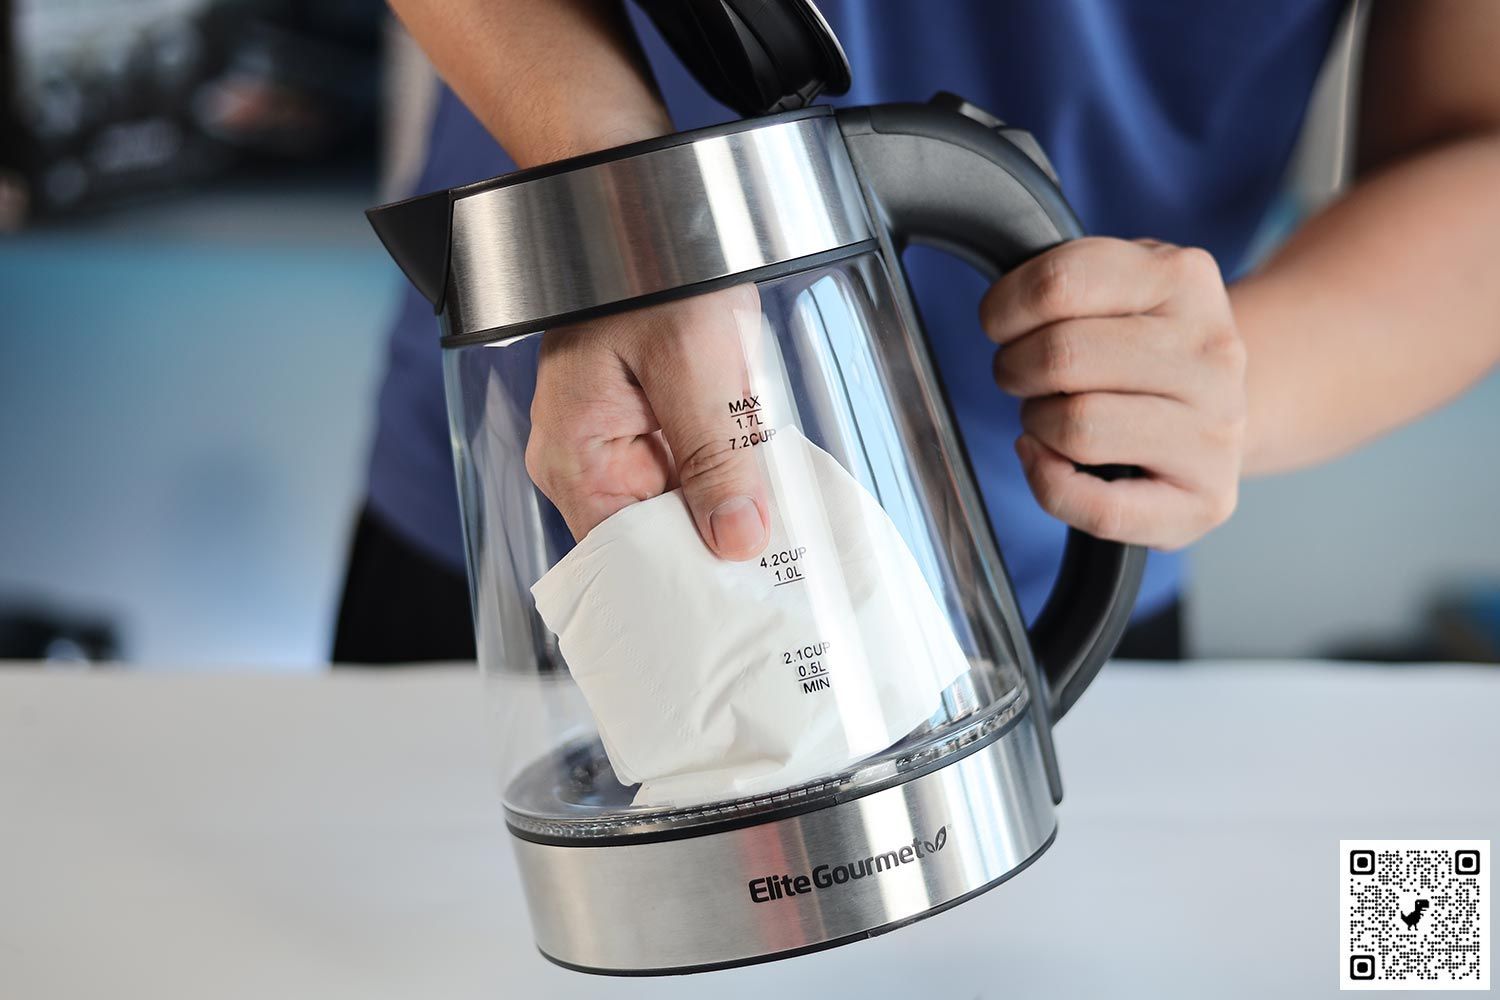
x=995 y=205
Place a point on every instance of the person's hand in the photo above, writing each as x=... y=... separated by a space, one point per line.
x=630 y=406
x=1124 y=352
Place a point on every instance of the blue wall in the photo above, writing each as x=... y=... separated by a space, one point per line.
x=184 y=415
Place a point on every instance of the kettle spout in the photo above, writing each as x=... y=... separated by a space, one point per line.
x=415 y=234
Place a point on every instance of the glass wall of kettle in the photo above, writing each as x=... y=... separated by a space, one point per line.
x=865 y=636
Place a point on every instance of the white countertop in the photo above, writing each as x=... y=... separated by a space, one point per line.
x=334 y=836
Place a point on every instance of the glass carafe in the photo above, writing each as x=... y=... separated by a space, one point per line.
x=830 y=362
x=923 y=770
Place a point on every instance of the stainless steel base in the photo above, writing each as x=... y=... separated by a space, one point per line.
x=796 y=884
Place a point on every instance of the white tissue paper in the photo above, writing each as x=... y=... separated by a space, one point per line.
x=712 y=679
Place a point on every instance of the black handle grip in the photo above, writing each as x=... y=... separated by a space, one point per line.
x=937 y=176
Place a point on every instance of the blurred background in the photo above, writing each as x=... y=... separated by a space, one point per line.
x=192 y=323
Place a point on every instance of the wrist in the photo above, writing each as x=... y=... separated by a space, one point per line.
x=590 y=130
x=1264 y=412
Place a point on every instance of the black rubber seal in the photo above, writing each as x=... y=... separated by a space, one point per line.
x=788 y=811
x=767 y=273
x=776 y=956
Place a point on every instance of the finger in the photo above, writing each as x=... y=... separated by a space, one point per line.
x=594 y=445
x=1140 y=511
x=609 y=477
x=1139 y=354
x=1163 y=436
x=1095 y=276
x=694 y=375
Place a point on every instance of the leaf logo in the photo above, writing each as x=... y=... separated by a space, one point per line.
x=935 y=845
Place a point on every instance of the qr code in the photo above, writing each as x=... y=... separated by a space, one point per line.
x=1414 y=914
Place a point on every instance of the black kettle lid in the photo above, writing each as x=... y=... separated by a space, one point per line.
x=756 y=56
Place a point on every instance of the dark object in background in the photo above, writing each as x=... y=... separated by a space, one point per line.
x=399 y=604
x=1162 y=635
x=33 y=633
x=1466 y=624
x=299 y=80
x=1462 y=625
x=104 y=101
x=12 y=162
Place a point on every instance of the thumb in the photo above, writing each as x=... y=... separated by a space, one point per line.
x=726 y=497
x=694 y=376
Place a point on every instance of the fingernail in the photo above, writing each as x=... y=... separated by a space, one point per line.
x=737 y=527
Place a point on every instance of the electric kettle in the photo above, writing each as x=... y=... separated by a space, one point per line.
x=808 y=209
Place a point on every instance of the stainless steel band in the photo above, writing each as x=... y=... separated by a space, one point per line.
x=797 y=884
x=714 y=204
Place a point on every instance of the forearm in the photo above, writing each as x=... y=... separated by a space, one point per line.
x=548 y=78
x=1379 y=309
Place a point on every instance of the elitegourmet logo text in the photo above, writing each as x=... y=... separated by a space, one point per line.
x=769 y=887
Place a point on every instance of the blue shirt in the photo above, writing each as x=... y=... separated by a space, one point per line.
x=1170 y=119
